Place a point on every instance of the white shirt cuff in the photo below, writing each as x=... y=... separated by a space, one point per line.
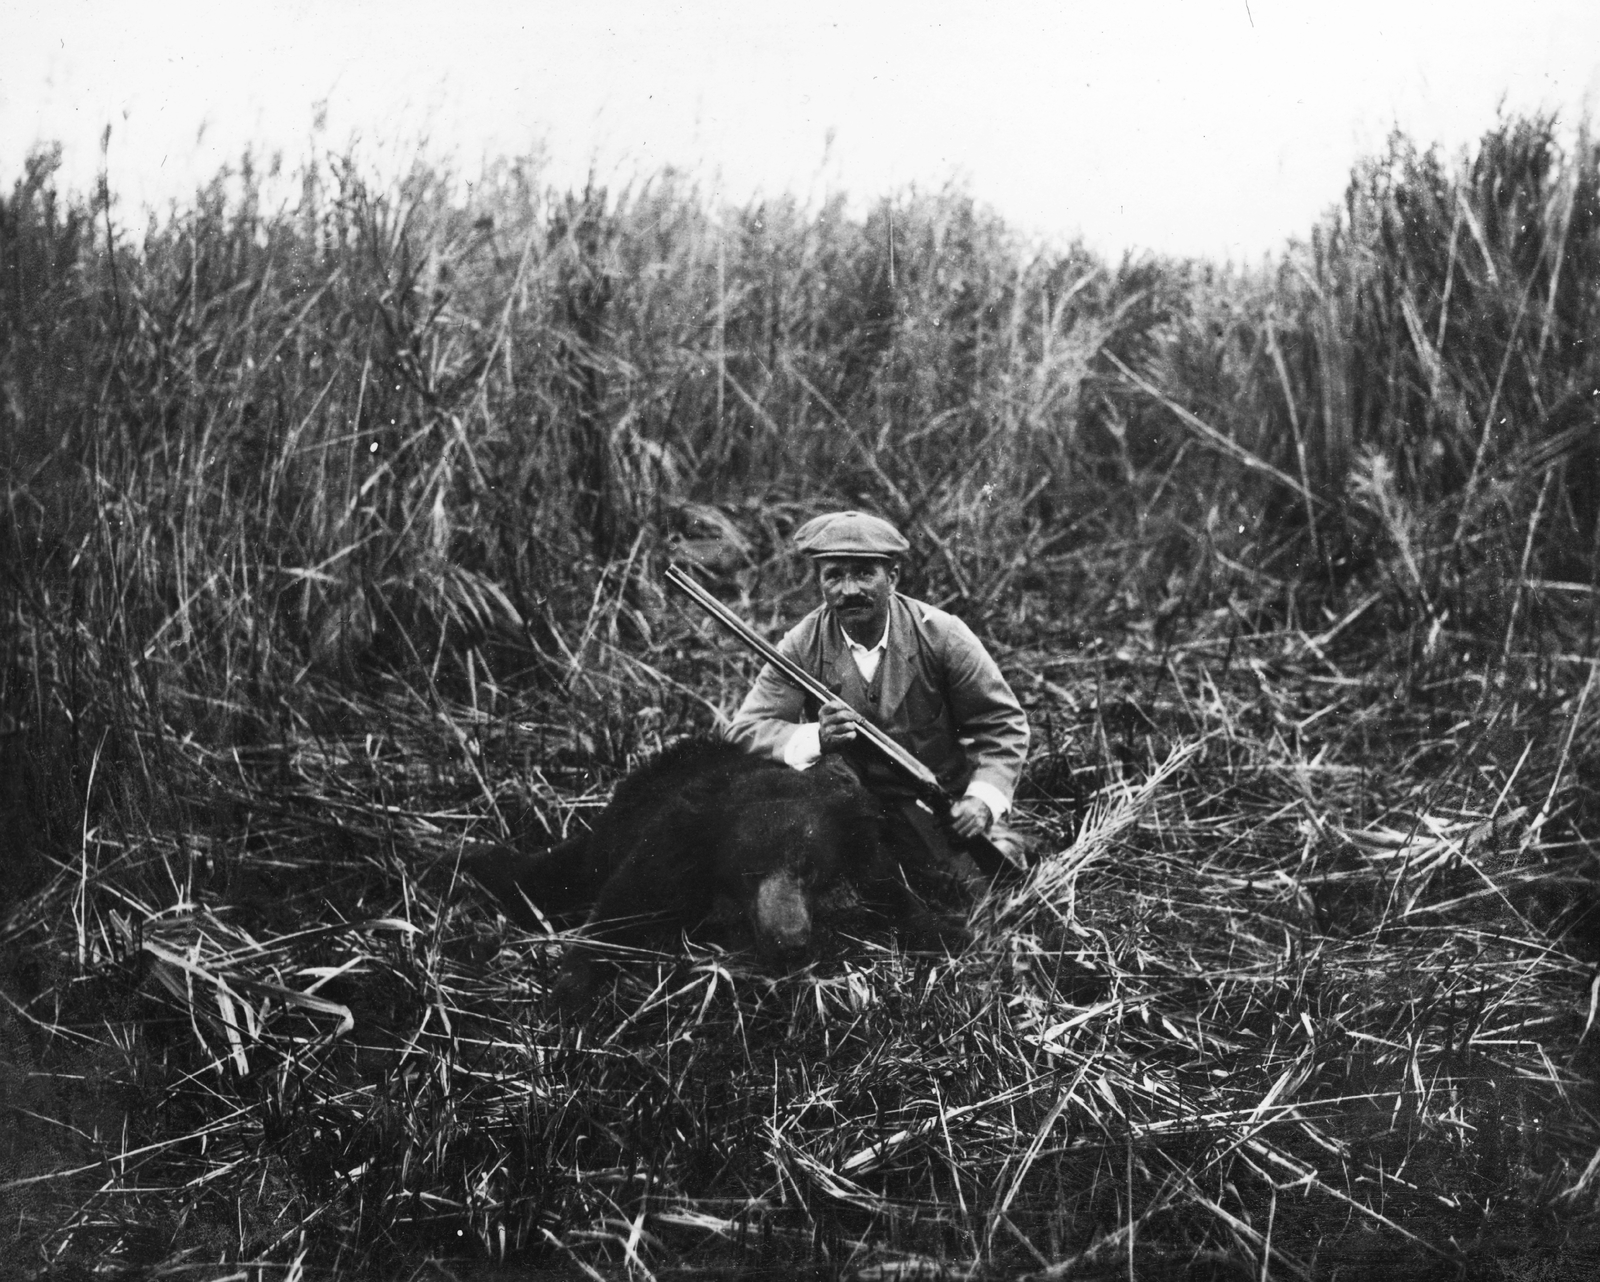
x=990 y=796
x=803 y=748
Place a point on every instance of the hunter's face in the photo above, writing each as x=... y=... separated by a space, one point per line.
x=857 y=590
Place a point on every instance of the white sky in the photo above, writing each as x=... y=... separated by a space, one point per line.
x=1214 y=127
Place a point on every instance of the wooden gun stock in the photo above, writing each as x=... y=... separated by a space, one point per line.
x=984 y=852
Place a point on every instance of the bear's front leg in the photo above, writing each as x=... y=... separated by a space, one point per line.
x=640 y=906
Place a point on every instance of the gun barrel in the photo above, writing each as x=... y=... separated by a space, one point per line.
x=791 y=672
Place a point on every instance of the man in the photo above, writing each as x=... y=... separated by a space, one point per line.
x=916 y=672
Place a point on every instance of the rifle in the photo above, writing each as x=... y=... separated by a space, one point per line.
x=989 y=858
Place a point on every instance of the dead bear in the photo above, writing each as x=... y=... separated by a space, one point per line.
x=704 y=822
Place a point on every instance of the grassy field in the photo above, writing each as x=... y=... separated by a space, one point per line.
x=332 y=544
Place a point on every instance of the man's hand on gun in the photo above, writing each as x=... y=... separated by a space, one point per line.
x=836 y=728
x=836 y=725
x=970 y=817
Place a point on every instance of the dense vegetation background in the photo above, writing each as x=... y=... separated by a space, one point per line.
x=331 y=540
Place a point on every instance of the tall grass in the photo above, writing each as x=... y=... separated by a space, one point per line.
x=330 y=543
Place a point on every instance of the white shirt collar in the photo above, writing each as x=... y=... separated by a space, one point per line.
x=856 y=646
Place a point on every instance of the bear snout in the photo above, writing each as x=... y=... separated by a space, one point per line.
x=783 y=915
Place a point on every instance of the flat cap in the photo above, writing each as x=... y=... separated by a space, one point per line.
x=849 y=534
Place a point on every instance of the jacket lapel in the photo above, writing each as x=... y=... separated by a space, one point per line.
x=839 y=671
x=894 y=669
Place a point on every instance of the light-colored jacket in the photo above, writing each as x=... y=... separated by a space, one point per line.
x=935 y=687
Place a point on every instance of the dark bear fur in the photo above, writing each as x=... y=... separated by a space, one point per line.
x=706 y=822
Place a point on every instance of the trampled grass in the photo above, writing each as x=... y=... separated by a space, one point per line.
x=1302 y=992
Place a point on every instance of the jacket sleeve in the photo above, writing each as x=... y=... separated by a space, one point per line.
x=984 y=711
x=771 y=712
